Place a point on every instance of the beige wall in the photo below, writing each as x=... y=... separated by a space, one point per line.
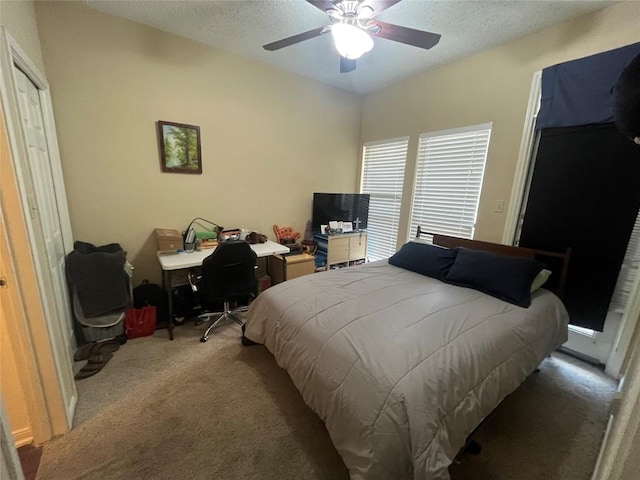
x=491 y=87
x=269 y=138
x=18 y=17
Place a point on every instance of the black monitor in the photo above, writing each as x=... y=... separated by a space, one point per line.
x=340 y=207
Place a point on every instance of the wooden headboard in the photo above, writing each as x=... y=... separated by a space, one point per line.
x=557 y=262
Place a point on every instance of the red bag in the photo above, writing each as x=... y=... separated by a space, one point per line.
x=140 y=322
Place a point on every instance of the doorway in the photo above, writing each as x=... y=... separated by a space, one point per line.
x=610 y=346
x=583 y=194
x=45 y=211
x=39 y=236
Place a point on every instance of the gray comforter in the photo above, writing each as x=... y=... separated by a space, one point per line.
x=401 y=367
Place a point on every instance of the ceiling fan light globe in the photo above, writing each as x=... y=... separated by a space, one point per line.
x=351 y=42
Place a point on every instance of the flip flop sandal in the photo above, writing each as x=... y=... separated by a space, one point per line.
x=88 y=350
x=106 y=347
x=100 y=358
x=94 y=365
x=85 y=352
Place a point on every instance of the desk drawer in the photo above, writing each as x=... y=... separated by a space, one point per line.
x=304 y=267
x=282 y=268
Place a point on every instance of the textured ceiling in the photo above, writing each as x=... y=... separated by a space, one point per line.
x=242 y=26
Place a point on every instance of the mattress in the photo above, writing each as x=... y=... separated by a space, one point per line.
x=401 y=367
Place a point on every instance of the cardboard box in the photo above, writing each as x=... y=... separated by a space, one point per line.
x=168 y=240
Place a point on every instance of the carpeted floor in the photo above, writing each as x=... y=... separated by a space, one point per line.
x=182 y=409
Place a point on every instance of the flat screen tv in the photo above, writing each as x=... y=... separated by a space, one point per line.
x=340 y=207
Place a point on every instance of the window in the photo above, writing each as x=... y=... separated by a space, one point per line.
x=628 y=271
x=449 y=179
x=382 y=178
x=587 y=332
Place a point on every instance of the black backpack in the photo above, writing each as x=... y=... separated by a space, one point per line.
x=154 y=295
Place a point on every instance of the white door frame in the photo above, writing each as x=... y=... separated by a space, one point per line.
x=620 y=350
x=521 y=176
x=11 y=54
x=618 y=452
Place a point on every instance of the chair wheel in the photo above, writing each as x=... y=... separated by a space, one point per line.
x=199 y=322
x=203 y=339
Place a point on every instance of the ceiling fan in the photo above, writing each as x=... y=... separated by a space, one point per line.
x=353 y=25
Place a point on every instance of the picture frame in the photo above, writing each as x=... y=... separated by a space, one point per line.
x=179 y=145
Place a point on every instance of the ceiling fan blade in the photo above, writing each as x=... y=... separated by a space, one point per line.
x=323 y=5
x=285 y=42
x=410 y=36
x=347 y=65
x=380 y=6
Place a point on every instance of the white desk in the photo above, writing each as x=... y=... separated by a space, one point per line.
x=175 y=267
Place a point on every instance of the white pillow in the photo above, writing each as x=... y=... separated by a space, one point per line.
x=540 y=279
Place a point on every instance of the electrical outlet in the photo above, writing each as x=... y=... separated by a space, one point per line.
x=499 y=206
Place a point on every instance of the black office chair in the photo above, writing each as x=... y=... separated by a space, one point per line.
x=227 y=276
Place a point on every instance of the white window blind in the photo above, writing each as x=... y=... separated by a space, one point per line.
x=449 y=179
x=382 y=178
x=628 y=271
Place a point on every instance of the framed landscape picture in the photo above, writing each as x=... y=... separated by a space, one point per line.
x=179 y=147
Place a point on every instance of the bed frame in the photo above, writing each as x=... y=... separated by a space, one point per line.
x=554 y=261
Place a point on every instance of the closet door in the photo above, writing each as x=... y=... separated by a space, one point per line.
x=584 y=194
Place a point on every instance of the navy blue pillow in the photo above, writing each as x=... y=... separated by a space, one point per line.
x=425 y=259
x=501 y=276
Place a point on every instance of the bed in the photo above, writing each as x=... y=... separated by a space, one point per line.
x=403 y=366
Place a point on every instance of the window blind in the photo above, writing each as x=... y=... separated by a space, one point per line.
x=382 y=178
x=628 y=271
x=449 y=175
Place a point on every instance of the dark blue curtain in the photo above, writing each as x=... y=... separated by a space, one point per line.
x=584 y=194
x=579 y=92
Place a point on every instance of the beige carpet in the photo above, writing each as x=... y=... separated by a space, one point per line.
x=186 y=410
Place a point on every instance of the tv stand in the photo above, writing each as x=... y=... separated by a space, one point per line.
x=341 y=250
